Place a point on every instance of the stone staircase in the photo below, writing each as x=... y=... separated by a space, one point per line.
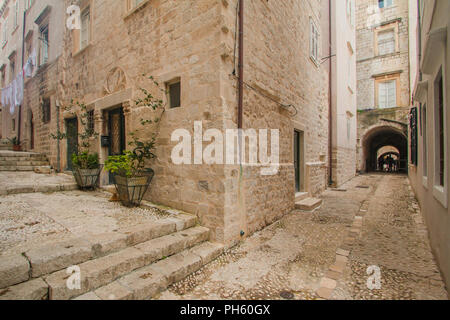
x=304 y=202
x=22 y=161
x=136 y=263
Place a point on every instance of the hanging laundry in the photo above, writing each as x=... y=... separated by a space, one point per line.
x=12 y=102
x=18 y=97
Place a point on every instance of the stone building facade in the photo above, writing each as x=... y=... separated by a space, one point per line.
x=430 y=124
x=383 y=79
x=343 y=91
x=192 y=43
x=190 y=48
x=38 y=37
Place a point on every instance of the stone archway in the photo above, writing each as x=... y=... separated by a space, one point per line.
x=381 y=136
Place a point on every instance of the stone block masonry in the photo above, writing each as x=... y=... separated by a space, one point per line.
x=158 y=40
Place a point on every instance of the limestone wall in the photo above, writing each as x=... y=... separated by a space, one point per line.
x=369 y=63
x=194 y=41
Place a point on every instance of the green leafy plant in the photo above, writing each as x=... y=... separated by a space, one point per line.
x=122 y=165
x=133 y=162
x=85 y=160
x=14 y=141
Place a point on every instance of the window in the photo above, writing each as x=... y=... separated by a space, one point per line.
x=387 y=94
x=16 y=14
x=440 y=128
x=46 y=110
x=13 y=125
x=174 y=94
x=85 y=28
x=134 y=4
x=3 y=75
x=385 y=3
x=386 y=42
x=351 y=12
x=91 y=122
x=413 y=138
x=44 y=45
x=424 y=141
x=12 y=66
x=28 y=4
x=314 y=42
x=5 y=33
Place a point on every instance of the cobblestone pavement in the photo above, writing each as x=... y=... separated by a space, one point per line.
x=32 y=219
x=374 y=221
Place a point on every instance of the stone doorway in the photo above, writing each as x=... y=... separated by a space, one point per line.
x=116 y=130
x=299 y=161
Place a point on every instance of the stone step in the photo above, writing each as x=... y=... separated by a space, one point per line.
x=103 y=271
x=16 y=168
x=38 y=188
x=299 y=196
x=15 y=159
x=23 y=163
x=54 y=257
x=20 y=155
x=145 y=283
x=308 y=204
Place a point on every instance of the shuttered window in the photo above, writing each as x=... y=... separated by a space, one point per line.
x=387 y=94
x=386 y=42
x=85 y=28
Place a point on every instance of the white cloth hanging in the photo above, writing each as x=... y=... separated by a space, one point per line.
x=12 y=102
x=18 y=97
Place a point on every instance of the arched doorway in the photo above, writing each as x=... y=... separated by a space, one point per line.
x=385 y=141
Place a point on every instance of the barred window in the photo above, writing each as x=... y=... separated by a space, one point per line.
x=91 y=122
x=46 y=110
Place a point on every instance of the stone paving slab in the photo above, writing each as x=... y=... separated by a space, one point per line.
x=29 y=182
x=313 y=255
x=13 y=269
x=35 y=289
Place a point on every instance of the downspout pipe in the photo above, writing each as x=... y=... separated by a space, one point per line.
x=21 y=70
x=241 y=65
x=330 y=100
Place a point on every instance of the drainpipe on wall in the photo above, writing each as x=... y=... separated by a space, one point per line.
x=241 y=203
x=241 y=64
x=58 y=147
x=330 y=101
x=21 y=70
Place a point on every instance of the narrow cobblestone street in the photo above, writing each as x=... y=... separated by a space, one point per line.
x=373 y=220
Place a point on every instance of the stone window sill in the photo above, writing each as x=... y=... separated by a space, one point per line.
x=136 y=9
x=425 y=182
x=440 y=193
x=79 y=52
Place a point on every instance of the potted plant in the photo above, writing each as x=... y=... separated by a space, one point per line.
x=15 y=144
x=86 y=164
x=131 y=176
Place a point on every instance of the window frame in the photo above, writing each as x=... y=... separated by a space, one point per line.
x=85 y=11
x=168 y=84
x=314 y=42
x=130 y=8
x=42 y=28
x=424 y=122
x=387 y=78
x=440 y=189
x=394 y=26
x=46 y=113
x=384 y=4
